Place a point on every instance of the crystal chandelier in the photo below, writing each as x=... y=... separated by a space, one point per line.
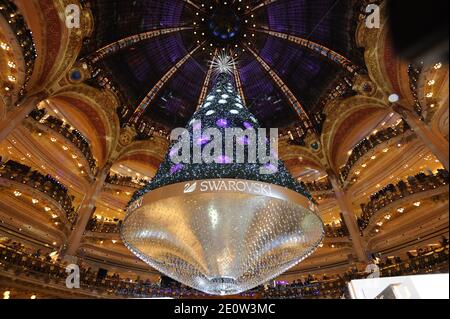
x=222 y=227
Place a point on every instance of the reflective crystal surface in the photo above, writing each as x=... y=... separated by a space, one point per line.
x=222 y=243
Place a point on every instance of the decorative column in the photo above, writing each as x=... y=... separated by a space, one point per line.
x=349 y=218
x=15 y=117
x=85 y=212
x=433 y=140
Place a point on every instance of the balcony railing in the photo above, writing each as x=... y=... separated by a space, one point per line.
x=332 y=231
x=368 y=144
x=318 y=187
x=97 y=226
x=46 y=184
x=23 y=35
x=435 y=261
x=18 y=262
x=392 y=193
x=75 y=137
x=126 y=181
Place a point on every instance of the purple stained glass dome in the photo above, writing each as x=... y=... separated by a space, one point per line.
x=240 y=26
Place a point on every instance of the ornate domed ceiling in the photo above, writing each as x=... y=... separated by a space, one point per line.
x=283 y=81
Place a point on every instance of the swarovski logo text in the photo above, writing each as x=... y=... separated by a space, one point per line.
x=230 y=185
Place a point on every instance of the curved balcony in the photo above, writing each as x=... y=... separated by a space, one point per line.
x=434 y=261
x=125 y=181
x=320 y=190
x=369 y=145
x=332 y=231
x=396 y=193
x=318 y=187
x=21 y=265
x=23 y=35
x=104 y=227
x=50 y=187
x=70 y=134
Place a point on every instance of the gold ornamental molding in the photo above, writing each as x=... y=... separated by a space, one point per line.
x=105 y=104
x=12 y=64
x=19 y=212
x=425 y=218
x=57 y=45
x=339 y=111
x=156 y=148
x=425 y=197
x=3 y=108
x=386 y=70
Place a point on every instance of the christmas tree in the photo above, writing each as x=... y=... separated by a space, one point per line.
x=224 y=239
x=223 y=109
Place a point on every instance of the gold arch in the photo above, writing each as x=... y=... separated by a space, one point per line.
x=338 y=112
x=103 y=104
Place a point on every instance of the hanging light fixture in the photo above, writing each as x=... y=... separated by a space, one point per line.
x=221 y=227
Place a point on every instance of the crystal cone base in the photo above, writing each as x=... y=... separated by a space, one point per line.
x=222 y=242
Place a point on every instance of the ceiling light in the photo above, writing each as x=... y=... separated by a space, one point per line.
x=401 y=210
x=394 y=98
x=417 y=204
x=4 y=46
x=17 y=193
x=47 y=209
x=34 y=201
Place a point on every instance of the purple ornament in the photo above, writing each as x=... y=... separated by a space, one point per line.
x=222 y=123
x=247 y=125
x=176 y=168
